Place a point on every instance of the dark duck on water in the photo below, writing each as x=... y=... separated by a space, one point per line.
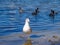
x=35 y=12
x=21 y=10
x=52 y=14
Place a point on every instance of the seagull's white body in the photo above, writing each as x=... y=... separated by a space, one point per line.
x=26 y=27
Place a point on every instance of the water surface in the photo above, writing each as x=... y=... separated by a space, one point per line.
x=43 y=27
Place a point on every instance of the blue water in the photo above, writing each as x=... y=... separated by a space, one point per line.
x=11 y=21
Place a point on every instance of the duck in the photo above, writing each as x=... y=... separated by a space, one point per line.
x=35 y=12
x=52 y=14
x=26 y=27
x=21 y=10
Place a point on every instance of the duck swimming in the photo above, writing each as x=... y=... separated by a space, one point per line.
x=52 y=13
x=36 y=11
x=21 y=10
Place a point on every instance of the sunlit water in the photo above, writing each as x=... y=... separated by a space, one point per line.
x=43 y=27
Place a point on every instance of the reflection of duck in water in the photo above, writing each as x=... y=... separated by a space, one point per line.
x=35 y=12
x=28 y=42
x=26 y=28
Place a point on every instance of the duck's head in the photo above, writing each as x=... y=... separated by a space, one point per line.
x=27 y=20
x=37 y=8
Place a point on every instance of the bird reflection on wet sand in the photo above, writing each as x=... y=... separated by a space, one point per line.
x=28 y=42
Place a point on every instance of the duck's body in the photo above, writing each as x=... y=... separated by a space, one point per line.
x=52 y=13
x=21 y=10
x=26 y=28
x=36 y=11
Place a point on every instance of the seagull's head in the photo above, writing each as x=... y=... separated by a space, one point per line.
x=27 y=20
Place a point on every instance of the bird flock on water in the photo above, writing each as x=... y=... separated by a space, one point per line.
x=36 y=12
x=26 y=27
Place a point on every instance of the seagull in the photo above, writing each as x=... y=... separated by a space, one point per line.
x=26 y=28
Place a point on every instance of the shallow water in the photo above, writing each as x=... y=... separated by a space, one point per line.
x=43 y=27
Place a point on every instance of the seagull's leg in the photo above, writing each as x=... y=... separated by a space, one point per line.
x=28 y=36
